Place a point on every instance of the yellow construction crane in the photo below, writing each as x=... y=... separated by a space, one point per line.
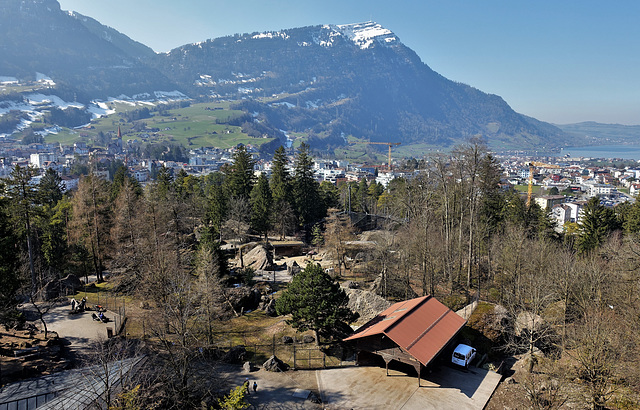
x=543 y=165
x=380 y=143
x=533 y=165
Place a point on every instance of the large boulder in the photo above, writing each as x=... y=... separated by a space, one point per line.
x=394 y=287
x=492 y=321
x=249 y=367
x=71 y=284
x=236 y=354
x=66 y=286
x=350 y=285
x=259 y=258
x=293 y=268
x=244 y=298
x=366 y=303
x=51 y=290
x=270 y=308
x=528 y=322
x=273 y=364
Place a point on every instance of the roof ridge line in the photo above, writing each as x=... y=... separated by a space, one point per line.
x=395 y=322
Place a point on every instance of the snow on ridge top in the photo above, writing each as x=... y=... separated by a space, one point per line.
x=272 y=34
x=363 y=34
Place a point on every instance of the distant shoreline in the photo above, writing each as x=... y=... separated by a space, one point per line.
x=622 y=151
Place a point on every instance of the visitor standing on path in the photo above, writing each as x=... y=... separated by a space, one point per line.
x=255 y=386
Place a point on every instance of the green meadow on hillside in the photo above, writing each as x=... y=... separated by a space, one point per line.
x=199 y=125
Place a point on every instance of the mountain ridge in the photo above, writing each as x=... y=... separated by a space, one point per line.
x=324 y=81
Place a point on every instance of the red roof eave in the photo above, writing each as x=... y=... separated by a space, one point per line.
x=422 y=327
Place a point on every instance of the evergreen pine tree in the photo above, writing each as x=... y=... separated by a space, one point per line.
x=305 y=188
x=215 y=211
x=329 y=195
x=50 y=188
x=261 y=205
x=240 y=178
x=9 y=262
x=316 y=302
x=596 y=223
x=122 y=174
x=362 y=195
x=280 y=178
x=23 y=206
x=164 y=181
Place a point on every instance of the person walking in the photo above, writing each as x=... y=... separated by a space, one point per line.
x=255 y=386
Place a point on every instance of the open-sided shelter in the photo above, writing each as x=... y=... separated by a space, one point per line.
x=413 y=332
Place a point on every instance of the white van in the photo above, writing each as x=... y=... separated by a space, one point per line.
x=463 y=355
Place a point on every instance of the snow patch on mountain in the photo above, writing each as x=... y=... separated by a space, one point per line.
x=99 y=109
x=52 y=130
x=44 y=79
x=362 y=34
x=5 y=80
x=327 y=36
x=284 y=103
x=272 y=34
x=38 y=99
x=7 y=106
x=170 y=95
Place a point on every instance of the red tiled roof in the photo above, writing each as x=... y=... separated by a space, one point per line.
x=420 y=326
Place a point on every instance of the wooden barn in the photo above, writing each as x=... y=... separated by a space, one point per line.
x=413 y=332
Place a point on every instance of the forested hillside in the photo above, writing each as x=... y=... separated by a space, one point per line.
x=567 y=302
x=326 y=81
x=37 y=37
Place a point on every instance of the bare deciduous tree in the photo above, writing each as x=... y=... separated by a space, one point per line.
x=596 y=346
x=338 y=231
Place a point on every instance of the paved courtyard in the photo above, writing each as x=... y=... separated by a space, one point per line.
x=370 y=388
x=79 y=329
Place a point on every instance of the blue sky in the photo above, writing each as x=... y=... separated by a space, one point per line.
x=558 y=61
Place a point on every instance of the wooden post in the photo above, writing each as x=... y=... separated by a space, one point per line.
x=419 y=370
x=294 y=357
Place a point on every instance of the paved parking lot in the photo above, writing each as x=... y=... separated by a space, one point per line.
x=370 y=388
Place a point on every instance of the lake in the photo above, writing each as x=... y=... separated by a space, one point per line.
x=604 y=151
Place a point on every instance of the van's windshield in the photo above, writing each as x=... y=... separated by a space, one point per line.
x=458 y=356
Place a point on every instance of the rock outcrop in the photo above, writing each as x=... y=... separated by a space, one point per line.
x=273 y=364
x=366 y=303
